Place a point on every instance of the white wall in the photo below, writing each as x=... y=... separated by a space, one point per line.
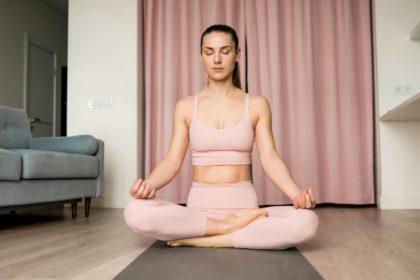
x=102 y=63
x=43 y=23
x=397 y=62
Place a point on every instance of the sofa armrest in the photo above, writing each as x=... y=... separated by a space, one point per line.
x=10 y=165
x=80 y=144
x=100 y=156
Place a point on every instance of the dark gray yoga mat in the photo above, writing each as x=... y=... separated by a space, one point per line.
x=160 y=262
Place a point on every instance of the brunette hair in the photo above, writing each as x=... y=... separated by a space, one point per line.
x=236 y=78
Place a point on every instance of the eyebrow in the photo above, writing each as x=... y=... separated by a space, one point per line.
x=224 y=47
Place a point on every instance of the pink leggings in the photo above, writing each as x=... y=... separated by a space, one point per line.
x=284 y=227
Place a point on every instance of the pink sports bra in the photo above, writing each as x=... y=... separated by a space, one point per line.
x=230 y=145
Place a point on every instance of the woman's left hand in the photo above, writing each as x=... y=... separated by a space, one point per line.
x=305 y=199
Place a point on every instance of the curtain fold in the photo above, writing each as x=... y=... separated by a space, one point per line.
x=311 y=59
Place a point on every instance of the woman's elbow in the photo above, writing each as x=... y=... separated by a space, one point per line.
x=174 y=162
x=268 y=158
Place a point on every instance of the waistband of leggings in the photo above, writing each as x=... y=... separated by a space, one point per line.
x=232 y=184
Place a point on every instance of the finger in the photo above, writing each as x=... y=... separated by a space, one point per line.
x=132 y=187
x=302 y=200
x=146 y=190
x=312 y=196
x=295 y=202
x=152 y=193
x=141 y=189
x=137 y=182
x=298 y=201
x=308 y=201
x=136 y=185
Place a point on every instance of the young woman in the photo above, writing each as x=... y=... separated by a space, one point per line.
x=221 y=122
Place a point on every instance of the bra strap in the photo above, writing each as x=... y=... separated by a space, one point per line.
x=195 y=105
x=246 y=105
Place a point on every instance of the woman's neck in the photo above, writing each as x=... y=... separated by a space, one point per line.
x=220 y=88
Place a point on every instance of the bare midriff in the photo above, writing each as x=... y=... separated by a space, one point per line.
x=215 y=174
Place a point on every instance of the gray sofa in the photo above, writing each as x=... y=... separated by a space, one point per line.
x=46 y=170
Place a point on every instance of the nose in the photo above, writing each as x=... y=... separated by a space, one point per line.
x=217 y=58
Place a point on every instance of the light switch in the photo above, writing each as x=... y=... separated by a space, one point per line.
x=100 y=103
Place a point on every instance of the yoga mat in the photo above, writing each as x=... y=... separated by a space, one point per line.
x=160 y=262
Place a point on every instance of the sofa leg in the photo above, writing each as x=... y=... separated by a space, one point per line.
x=87 y=206
x=74 y=209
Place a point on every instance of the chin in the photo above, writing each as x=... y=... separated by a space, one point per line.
x=219 y=78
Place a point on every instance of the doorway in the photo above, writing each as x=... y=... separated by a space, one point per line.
x=63 y=101
x=40 y=87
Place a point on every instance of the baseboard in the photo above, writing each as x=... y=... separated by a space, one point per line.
x=399 y=201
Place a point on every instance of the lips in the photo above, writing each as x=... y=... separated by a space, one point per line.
x=218 y=69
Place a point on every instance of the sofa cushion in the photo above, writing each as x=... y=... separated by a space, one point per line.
x=15 y=132
x=45 y=164
x=10 y=165
x=79 y=144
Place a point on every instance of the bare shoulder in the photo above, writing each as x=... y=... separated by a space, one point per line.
x=184 y=107
x=185 y=101
x=259 y=105
x=259 y=101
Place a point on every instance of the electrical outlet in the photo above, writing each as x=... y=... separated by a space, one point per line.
x=403 y=90
x=409 y=89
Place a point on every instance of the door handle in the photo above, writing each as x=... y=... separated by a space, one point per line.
x=38 y=120
x=34 y=120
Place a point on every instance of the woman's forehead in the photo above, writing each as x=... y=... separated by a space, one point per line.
x=217 y=40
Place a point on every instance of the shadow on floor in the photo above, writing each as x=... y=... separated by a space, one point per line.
x=31 y=216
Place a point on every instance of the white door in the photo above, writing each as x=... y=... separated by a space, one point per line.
x=40 y=84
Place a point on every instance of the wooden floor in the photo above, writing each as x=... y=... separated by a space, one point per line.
x=352 y=243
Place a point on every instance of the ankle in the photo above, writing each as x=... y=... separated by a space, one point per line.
x=225 y=227
x=216 y=227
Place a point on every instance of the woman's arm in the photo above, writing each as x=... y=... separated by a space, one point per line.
x=169 y=166
x=274 y=167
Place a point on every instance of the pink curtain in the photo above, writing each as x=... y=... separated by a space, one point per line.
x=313 y=62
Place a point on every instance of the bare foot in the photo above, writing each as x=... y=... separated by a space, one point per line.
x=234 y=222
x=216 y=241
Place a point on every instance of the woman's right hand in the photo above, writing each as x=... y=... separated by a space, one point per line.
x=305 y=199
x=142 y=189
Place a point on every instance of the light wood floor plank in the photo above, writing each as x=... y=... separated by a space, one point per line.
x=365 y=243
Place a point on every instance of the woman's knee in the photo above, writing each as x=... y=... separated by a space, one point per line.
x=138 y=216
x=309 y=222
